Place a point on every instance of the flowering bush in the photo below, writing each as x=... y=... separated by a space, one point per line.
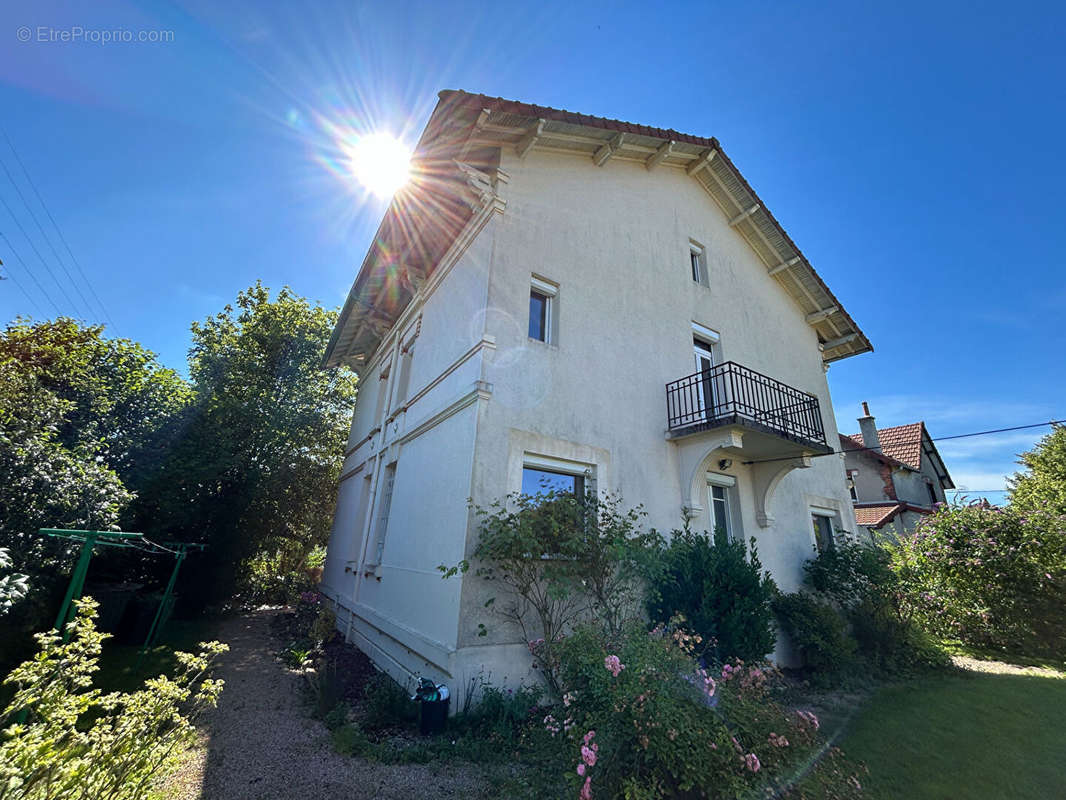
x=558 y=559
x=986 y=575
x=644 y=719
x=63 y=739
x=721 y=590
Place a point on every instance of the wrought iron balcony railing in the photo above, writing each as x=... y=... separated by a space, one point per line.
x=731 y=394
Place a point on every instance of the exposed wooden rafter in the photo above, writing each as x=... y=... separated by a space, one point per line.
x=784 y=265
x=603 y=155
x=704 y=160
x=743 y=215
x=525 y=144
x=817 y=316
x=656 y=158
x=832 y=344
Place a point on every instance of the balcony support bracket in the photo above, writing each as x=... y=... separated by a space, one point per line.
x=765 y=478
x=697 y=456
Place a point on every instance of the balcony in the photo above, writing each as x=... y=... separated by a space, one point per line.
x=733 y=395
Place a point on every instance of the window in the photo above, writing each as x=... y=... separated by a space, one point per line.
x=541 y=310
x=538 y=316
x=851 y=489
x=404 y=381
x=383 y=395
x=932 y=493
x=823 y=531
x=720 y=509
x=720 y=491
x=388 y=479
x=698 y=263
x=541 y=481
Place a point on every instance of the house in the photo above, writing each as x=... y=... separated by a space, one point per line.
x=895 y=475
x=589 y=303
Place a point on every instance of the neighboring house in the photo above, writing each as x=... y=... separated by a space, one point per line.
x=895 y=475
x=582 y=302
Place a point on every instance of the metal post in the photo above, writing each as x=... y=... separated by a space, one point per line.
x=77 y=582
x=162 y=604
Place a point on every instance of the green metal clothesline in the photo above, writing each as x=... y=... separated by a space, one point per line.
x=89 y=540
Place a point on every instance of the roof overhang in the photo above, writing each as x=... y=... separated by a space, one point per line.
x=465 y=127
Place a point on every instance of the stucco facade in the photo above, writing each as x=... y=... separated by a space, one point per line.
x=457 y=399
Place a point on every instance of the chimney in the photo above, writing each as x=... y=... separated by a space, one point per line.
x=869 y=430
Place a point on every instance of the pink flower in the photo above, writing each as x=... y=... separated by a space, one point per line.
x=588 y=755
x=752 y=762
x=809 y=718
x=586 y=790
x=589 y=737
x=613 y=665
x=581 y=770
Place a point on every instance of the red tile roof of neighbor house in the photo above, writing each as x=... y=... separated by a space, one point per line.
x=902 y=443
x=876 y=516
x=854 y=443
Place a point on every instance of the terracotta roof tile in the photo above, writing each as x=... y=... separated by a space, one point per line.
x=876 y=516
x=902 y=443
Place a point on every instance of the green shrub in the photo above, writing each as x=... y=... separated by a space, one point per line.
x=641 y=719
x=820 y=633
x=558 y=559
x=859 y=580
x=63 y=739
x=723 y=594
x=987 y=575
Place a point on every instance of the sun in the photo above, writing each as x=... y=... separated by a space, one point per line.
x=380 y=162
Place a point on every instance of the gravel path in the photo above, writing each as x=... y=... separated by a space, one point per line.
x=261 y=742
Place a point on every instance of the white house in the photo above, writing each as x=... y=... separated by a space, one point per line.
x=571 y=298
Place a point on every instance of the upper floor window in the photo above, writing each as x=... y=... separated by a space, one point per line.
x=932 y=493
x=698 y=263
x=542 y=311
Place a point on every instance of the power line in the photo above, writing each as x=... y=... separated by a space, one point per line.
x=46 y=238
x=11 y=277
x=55 y=225
x=47 y=296
x=38 y=252
x=878 y=450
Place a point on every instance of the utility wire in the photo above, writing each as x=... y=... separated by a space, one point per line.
x=11 y=277
x=55 y=225
x=47 y=296
x=47 y=239
x=878 y=450
x=38 y=252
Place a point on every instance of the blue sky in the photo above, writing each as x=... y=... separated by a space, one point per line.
x=913 y=151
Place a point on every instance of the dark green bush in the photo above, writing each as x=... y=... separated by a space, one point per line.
x=820 y=633
x=722 y=593
x=858 y=583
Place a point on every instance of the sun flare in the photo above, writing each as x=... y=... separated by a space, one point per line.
x=381 y=163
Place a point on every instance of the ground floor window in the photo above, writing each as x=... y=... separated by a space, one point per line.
x=823 y=531
x=536 y=480
x=721 y=490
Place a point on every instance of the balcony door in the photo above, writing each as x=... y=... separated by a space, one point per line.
x=705 y=392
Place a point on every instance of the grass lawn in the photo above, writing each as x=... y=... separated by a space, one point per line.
x=118 y=662
x=971 y=735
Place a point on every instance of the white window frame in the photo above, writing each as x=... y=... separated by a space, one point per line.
x=830 y=514
x=700 y=252
x=728 y=485
x=382 y=512
x=579 y=469
x=550 y=291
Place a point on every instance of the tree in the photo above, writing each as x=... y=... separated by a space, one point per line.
x=118 y=403
x=1043 y=485
x=44 y=483
x=255 y=469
